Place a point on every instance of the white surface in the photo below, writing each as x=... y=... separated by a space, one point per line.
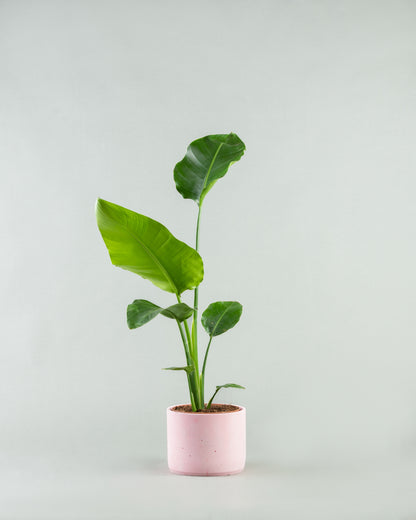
x=313 y=231
x=145 y=489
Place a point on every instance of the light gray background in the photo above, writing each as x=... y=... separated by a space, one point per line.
x=313 y=231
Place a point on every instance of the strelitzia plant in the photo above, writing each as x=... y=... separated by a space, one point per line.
x=146 y=247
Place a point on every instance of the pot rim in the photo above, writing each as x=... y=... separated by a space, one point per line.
x=240 y=409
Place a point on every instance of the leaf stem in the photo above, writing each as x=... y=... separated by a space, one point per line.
x=193 y=353
x=206 y=356
x=196 y=291
x=212 y=398
x=203 y=370
x=189 y=362
x=197 y=227
x=195 y=317
x=188 y=337
x=195 y=373
x=188 y=357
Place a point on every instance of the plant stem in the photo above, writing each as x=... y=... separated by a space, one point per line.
x=203 y=370
x=193 y=358
x=206 y=356
x=195 y=319
x=212 y=398
x=195 y=379
x=188 y=336
x=195 y=373
x=188 y=362
x=194 y=408
x=184 y=342
x=196 y=288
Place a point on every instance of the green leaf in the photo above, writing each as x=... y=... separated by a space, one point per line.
x=179 y=311
x=207 y=159
x=188 y=369
x=230 y=385
x=141 y=311
x=217 y=388
x=221 y=316
x=146 y=247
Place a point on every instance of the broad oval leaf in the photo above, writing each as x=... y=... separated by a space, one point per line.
x=207 y=159
x=179 y=311
x=142 y=311
x=146 y=247
x=221 y=316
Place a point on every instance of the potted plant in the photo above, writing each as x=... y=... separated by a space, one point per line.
x=204 y=438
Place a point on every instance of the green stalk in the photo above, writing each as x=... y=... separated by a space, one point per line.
x=196 y=288
x=195 y=379
x=206 y=355
x=188 y=337
x=195 y=317
x=193 y=357
x=195 y=373
x=204 y=364
x=188 y=362
x=212 y=398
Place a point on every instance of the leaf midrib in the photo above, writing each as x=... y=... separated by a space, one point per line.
x=220 y=318
x=154 y=258
x=210 y=168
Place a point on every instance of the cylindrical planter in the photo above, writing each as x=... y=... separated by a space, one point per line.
x=206 y=444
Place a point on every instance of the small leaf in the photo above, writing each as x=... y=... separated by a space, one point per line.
x=220 y=317
x=230 y=385
x=217 y=388
x=141 y=311
x=179 y=311
x=207 y=159
x=188 y=369
x=146 y=247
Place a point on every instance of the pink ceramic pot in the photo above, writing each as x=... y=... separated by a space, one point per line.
x=206 y=444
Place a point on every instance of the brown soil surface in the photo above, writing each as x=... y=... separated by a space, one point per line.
x=215 y=408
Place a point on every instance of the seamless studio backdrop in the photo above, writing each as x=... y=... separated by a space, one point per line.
x=313 y=231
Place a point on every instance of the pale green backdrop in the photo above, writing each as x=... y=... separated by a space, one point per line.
x=313 y=231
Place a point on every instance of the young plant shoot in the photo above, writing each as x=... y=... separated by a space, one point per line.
x=146 y=247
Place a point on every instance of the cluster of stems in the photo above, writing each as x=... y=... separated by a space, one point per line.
x=190 y=342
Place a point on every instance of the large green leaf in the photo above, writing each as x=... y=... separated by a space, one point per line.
x=207 y=159
x=220 y=317
x=142 y=311
x=146 y=247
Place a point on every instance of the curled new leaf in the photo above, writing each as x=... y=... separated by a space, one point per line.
x=142 y=311
x=207 y=159
x=221 y=316
x=146 y=247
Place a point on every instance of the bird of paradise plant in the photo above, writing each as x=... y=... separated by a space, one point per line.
x=146 y=247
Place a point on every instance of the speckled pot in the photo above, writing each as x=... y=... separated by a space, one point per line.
x=206 y=444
